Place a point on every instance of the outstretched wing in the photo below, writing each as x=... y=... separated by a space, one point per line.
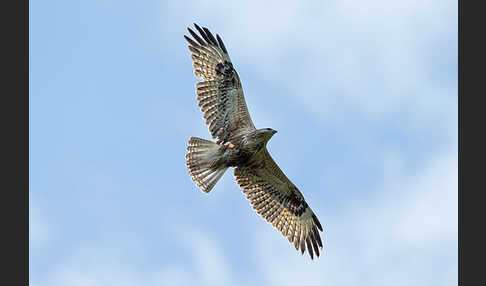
x=279 y=202
x=220 y=94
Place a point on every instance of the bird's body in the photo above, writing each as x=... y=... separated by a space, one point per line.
x=245 y=150
x=243 y=147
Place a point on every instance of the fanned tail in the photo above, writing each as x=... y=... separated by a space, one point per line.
x=203 y=163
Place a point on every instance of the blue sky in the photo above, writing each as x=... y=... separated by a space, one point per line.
x=364 y=96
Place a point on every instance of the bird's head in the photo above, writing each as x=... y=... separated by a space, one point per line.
x=267 y=133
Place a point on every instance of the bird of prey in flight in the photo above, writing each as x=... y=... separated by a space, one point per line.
x=243 y=147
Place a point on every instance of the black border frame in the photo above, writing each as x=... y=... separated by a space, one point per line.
x=470 y=142
x=15 y=135
x=15 y=121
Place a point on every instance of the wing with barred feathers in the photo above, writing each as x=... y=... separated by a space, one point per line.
x=220 y=94
x=275 y=198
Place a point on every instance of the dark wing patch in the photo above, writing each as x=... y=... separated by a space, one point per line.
x=220 y=94
x=280 y=203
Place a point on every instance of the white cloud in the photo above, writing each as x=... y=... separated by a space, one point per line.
x=387 y=239
x=173 y=276
x=336 y=57
x=108 y=264
x=430 y=214
x=210 y=261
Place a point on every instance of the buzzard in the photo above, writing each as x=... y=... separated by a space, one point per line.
x=243 y=147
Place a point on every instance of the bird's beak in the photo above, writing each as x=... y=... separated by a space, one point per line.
x=274 y=131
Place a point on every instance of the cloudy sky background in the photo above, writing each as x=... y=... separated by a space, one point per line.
x=364 y=96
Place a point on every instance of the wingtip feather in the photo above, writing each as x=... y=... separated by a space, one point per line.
x=316 y=221
x=221 y=44
x=210 y=36
x=196 y=37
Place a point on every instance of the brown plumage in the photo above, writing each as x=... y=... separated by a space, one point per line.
x=241 y=146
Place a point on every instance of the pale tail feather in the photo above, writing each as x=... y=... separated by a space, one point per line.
x=201 y=162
